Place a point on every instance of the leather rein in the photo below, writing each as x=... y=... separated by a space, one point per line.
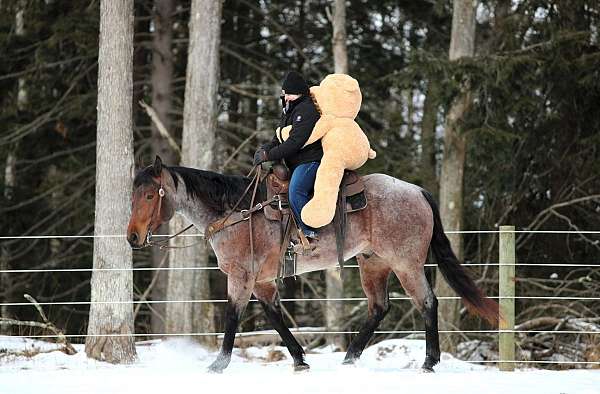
x=218 y=225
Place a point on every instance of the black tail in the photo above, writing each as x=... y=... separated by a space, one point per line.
x=456 y=276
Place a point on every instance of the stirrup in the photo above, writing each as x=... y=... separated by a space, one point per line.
x=304 y=247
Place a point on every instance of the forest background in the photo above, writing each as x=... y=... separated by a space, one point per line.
x=524 y=149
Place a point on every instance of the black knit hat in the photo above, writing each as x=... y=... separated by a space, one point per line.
x=294 y=83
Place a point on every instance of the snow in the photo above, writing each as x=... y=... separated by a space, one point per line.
x=179 y=365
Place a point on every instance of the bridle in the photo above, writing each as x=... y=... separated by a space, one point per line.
x=163 y=243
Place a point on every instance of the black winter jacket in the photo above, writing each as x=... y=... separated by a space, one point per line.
x=302 y=115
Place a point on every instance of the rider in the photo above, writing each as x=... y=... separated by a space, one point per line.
x=300 y=112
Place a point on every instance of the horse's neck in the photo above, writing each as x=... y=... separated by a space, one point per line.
x=193 y=209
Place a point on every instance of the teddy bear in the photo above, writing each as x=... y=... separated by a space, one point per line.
x=345 y=145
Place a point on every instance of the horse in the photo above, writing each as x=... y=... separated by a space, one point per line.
x=392 y=234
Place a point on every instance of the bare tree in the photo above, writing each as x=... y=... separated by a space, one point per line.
x=462 y=44
x=339 y=38
x=111 y=311
x=334 y=310
x=428 y=126
x=162 y=91
x=5 y=278
x=10 y=171
x=199 y=124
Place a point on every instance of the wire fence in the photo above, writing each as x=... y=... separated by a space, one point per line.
x=342 y=299
x=200 y=235
x=213 y=268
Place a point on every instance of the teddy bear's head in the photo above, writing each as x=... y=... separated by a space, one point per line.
x=338 y=95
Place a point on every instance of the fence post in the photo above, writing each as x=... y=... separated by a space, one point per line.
x=506 y=286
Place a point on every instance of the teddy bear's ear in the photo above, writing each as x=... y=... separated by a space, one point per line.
x=350 y=84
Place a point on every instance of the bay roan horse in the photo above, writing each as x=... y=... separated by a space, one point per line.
x=393 y=234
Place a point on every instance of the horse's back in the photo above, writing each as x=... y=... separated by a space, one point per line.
x=386 y=186
x=401 y=219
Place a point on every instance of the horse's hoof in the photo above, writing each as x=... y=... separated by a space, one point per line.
x=216 y=367
x=349 y=361
x=212 y=369
x=430 y=361
x=301 y=367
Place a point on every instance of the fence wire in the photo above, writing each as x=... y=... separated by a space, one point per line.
x=299 y=332
x=214 y=268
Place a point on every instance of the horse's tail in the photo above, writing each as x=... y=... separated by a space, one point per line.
x=456 y=276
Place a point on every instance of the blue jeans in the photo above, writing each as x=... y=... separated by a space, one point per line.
x=301 y=189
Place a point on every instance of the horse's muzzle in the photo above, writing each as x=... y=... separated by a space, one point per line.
x=133 y=240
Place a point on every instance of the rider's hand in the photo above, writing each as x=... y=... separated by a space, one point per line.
x=260 y=156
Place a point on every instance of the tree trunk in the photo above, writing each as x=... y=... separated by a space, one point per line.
x=114 y=171
x=5 y=277
x=338 y=41
x=334 y=310
x=428 y=125
x=22 y=97
x=162 y=91
x=462 y=44
x=10 y=176
x=199 y=124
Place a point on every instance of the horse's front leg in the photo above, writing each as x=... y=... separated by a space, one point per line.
x=268 y=296
x=239 y=290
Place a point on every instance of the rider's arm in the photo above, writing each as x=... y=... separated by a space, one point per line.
x=302 y=126
x=270 y=145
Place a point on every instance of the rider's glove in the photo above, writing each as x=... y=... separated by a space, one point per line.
x=260 y=156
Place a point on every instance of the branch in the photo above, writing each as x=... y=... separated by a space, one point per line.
x=545 y=214
x=238 y=149
x=61 y=337
x=46 y=325
x=160 y=126
x=144 y=296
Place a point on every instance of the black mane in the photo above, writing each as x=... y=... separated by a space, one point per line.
x=218 y=191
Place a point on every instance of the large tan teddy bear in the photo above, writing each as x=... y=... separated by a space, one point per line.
x=345 y=145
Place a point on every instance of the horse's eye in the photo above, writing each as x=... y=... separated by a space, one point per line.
x=149 y=196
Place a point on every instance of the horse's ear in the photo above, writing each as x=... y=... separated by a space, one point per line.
x=158 y=165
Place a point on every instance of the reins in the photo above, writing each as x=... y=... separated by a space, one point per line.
x=162 y=244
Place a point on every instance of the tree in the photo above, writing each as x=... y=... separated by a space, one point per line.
x=10 y=170
x=199 y=124
x=334 y=310
x=339 y=38
x=462 y=44
x=428 y=148
x=111 y=311
x=162 y=98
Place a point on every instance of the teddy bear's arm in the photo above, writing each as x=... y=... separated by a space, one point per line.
x=325 y=123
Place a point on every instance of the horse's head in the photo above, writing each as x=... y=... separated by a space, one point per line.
x=152 y=203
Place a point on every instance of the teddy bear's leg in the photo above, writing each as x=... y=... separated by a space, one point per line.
x=319 y=211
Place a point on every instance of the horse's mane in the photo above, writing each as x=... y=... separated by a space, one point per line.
x=217 y=191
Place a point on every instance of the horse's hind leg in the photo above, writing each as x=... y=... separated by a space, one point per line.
x=268 y=296
x=415 y=284
x=239 y=290
x=374 y=274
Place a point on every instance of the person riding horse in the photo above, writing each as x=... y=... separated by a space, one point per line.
x=300 y=113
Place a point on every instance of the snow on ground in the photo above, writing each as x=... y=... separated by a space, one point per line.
x=179 y=366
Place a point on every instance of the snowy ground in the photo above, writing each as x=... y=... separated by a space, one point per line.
x=180 y=366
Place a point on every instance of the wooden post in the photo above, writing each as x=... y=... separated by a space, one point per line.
x=507 y=293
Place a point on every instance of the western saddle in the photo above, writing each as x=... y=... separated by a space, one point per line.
x=351 y=197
